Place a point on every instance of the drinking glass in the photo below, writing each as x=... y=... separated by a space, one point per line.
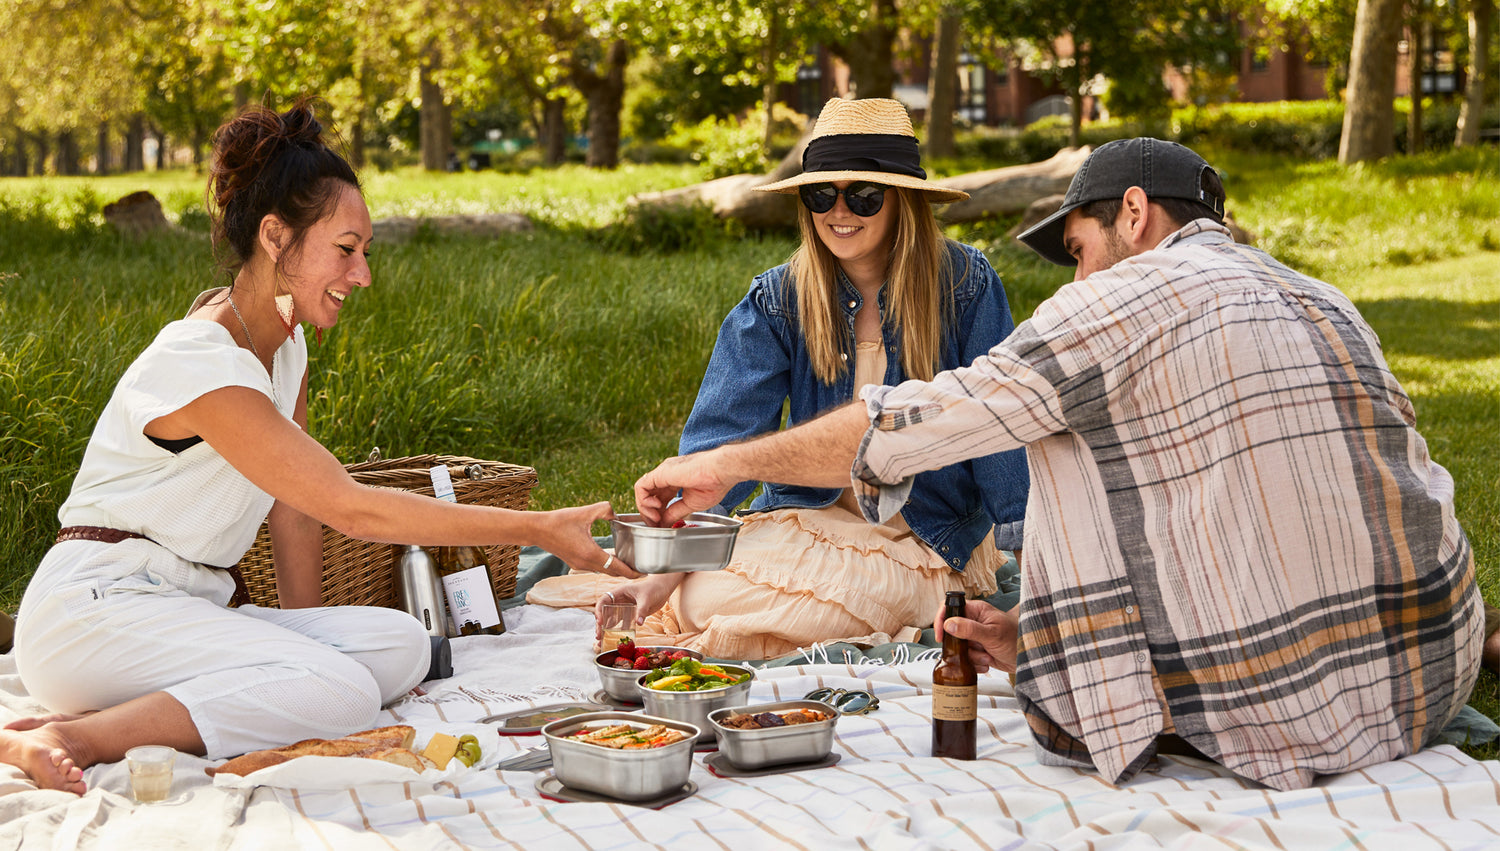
x=616 y=622
x=150 y=772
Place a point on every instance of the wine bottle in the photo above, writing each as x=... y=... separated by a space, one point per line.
x=955 y=692
x=472 y=607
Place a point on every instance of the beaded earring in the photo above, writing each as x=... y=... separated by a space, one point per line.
x=286 y=311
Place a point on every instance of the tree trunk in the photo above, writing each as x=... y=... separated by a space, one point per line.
x=436 y=122
x=1414 y=50
x=1369 y=111
x=1075 y=106
x=43 y=150
x=66 y=161
x=357 y=140
x=101 y=151
x=1471 y=113
x=161 y=149
x=942 y=81
x=20 y=162
x=554 y=133
x=768 y=74
x=870 y=54
x=606 y=94
x=135 y=143
x=200 y=138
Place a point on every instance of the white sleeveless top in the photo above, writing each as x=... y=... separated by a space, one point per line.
x=193 y=503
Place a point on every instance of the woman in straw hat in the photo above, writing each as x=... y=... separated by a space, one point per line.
x=875 y=294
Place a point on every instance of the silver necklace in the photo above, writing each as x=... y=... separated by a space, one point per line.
x=275 y=393
x=243 y=327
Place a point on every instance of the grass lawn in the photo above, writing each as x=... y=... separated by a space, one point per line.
x=554 y=350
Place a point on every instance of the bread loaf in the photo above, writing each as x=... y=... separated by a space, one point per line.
x=383 y=743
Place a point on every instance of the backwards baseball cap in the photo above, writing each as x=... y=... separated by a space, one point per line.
x=1162 y=169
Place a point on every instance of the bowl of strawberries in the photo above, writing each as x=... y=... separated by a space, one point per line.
x=619 y=669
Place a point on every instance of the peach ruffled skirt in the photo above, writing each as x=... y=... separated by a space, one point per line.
x=799 y=577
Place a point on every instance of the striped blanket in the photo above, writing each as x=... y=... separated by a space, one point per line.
x=885 y=792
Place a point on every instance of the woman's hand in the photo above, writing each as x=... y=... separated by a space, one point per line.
x=567 y=534
x=649 y=594
x=991 y=634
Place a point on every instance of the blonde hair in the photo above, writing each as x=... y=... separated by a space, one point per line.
x=915 y=299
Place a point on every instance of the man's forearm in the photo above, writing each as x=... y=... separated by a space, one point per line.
x=818 y=453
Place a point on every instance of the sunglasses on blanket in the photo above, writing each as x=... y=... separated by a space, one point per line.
x=849 y=702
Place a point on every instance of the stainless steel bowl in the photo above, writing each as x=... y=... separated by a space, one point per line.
x=759 y=748
x=638 y=775
x=652 y=549
x=619 y=683
x=693 y=706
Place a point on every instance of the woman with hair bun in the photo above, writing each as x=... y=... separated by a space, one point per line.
x=124 y=630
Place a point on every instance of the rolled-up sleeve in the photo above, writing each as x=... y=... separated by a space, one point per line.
x=997 y=403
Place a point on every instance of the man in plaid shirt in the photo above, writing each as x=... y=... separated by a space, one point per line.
x=1236 y=543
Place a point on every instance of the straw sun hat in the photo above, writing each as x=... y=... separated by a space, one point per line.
x=869 y=139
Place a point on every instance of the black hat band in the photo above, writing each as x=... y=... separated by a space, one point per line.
x=881 y=152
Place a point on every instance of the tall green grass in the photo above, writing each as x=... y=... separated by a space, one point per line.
x=557 y=350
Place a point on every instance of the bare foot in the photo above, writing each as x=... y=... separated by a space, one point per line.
x=34 y=721
x=1490 y=656
x=42 y=755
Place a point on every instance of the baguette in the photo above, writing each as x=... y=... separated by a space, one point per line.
x=381 y=743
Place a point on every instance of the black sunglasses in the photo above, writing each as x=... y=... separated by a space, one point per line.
x=856 y=702
x=863 y=199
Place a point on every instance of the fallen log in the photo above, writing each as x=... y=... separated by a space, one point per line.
x=734 y=197
x=995 y=192
x=1010 y=190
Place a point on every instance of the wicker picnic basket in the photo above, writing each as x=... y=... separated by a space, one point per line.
x=362 y=573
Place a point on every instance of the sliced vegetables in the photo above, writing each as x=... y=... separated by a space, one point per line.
x=689 y=674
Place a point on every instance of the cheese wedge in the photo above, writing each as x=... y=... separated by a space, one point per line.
x=441 y=749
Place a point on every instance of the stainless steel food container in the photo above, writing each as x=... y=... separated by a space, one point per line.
x=651 y=549
x=638 y=775
x=759 y=748
x=694 y=706
x=619 y=683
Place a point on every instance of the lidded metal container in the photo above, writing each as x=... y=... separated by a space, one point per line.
x=767 y=746
x=704 y=544
x=629 y=775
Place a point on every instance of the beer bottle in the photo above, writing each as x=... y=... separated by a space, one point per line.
x=955 y=692
x=472 y=607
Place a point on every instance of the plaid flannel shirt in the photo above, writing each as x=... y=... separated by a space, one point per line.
x=1234 y=532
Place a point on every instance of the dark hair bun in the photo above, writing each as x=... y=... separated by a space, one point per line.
x=270 y=163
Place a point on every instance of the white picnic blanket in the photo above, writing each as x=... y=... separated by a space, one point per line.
x=884 y=793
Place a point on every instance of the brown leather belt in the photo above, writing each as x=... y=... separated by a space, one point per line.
x=106 y=535
x=102 y=534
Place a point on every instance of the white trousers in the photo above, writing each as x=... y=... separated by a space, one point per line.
x=101 y=624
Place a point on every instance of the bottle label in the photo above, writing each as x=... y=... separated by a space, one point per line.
x=955 y=703
x=470 y=599
x=442 y=483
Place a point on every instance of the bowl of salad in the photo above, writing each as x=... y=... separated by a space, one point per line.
x=689 y=689
x=621 y=668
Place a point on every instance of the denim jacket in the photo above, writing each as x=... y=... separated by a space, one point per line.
x=760 y=362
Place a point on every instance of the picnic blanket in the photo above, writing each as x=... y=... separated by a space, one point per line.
x=885 y=792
